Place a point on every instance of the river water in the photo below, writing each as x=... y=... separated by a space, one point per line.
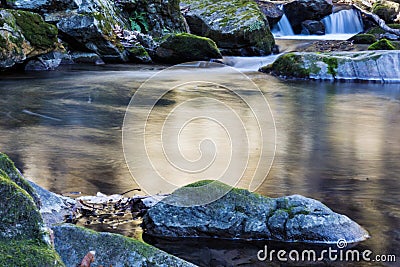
x=336 y=142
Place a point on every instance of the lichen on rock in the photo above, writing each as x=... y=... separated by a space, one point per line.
x=73 y=242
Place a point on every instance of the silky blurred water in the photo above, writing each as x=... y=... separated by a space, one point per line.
x=336 y=142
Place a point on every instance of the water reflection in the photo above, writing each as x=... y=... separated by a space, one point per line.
x=338 y=143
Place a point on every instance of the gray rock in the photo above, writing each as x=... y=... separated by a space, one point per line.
x=49 y=61
x=42 y=6
x=378 y=65
x=54 y=207
x=300 y=10
x=95 y=34
x=86 y=58
x=312 y=27
x=73 y=243
x=241 y=214
x=271 y=11
x=237 y=27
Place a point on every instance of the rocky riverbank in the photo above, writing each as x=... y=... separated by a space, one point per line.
x=33 y=221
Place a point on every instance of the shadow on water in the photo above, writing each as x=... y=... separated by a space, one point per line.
x=336 y=142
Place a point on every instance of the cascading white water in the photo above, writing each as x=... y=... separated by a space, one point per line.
x=344 y=21
x=283 y=27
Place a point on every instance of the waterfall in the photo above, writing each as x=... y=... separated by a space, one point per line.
x=283 y=27
x=344 y=21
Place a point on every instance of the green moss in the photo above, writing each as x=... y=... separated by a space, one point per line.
x=385 y=12
x=28 y=253
x=9 y=168
x=332 y=63
x=20 y=217
x=290 y=65
x=382 y=44
x=39 y=33
x=3 y=42
x=363 y=38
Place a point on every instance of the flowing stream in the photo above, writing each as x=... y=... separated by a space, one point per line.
x=336 y=142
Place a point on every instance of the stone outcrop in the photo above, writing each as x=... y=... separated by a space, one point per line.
x=24 y=35
x=300 y=10
x=312 y=27
x=241 y=214
x=271 y=11
x=237 y=27
x=381 y=66
x=184 y=47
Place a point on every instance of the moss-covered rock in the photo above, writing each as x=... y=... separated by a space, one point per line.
x=8 y=167
x=139 y=54
x=363 y=38
x=22 y=233
x=386 y=12
x=378 y=66
x=72 y=243
x=239 y=213
x=184 y=47
x=382 y=44
x=24 y=35
x=288 y=65
x=237 y=26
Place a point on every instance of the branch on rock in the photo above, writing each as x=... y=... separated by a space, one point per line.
x=381 y=23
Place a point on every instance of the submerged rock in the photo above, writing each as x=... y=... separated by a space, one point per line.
x=237 y=27
x=24 y=241
x=72 y=243
x=383 y=66
x=300 y=10
x=24 y=35
x=184 y=47
x=241 y=214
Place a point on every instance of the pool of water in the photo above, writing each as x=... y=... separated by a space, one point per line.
x=336 y=142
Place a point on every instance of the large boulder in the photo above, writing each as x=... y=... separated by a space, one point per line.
x=386 y=11
x=23 y=239
x=312 y=27
x=154 y=17
x=184 y=47
x=300 y=10
x=24 y=35
x=271 y=10
x=380 y=66
x=238 y=27
x=73 y=243
x=241 y=214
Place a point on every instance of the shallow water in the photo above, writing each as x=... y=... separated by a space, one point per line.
x=336 y=142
